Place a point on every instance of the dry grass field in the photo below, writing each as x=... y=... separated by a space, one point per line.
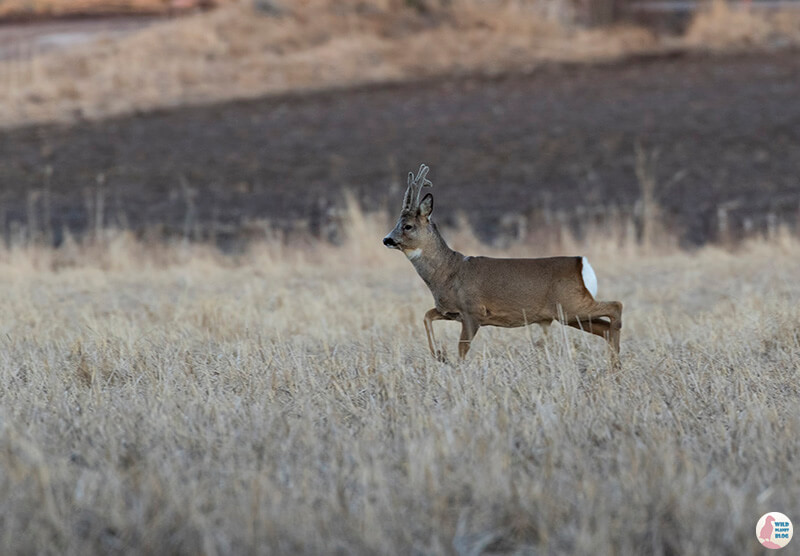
x=173 y=400
x=161 y=397
x=31 y=9
x=240 y=52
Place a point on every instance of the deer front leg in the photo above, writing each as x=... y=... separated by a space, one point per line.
x=431 y=316
x=468 y=330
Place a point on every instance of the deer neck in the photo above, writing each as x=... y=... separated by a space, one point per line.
x=435 y=262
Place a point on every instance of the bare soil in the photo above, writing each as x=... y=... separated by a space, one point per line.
x=561 y=140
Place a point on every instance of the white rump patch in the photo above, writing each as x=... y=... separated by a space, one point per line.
x=413 y=253
x=589 y=277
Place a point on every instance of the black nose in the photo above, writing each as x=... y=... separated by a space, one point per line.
x=389 y=242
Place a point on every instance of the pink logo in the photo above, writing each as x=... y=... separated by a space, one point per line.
x=774 y=530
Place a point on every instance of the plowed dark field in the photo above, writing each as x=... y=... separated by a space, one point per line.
x=727 y=130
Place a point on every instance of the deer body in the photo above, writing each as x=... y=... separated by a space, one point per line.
x=485 y=291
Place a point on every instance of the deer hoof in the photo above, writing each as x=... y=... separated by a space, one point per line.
x=441 y=356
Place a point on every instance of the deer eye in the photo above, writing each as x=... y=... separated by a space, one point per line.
x=408 y=227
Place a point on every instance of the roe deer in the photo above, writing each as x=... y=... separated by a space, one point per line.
x=484 y=291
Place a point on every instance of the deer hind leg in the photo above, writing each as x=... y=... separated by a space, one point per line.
x=589 y=321
x=592 y=326
x=468 y=330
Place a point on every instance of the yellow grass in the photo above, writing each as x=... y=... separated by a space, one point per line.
x=174 y=400
x=236 y=52
x=724 y=26
x=31 y=9
x=239 y=52
x=39 y=8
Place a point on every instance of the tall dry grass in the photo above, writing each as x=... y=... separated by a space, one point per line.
x=60 y=8
x=169 y=399
x=731 y=26
x=239 y=52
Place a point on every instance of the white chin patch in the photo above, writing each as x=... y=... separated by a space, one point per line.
x=589 y=277
x=413 y=253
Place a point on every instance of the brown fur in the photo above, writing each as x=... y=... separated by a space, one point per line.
x=484 y=291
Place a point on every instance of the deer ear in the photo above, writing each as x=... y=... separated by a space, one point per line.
x=426 y=205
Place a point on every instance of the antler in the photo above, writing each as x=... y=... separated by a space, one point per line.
x=415 y=185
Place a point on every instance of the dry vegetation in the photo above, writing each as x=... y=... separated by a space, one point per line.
x=722 y=27
x=174 y=400
x=35 y=9
x=239 y=51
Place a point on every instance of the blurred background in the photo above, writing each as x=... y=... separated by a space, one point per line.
x=654 y=121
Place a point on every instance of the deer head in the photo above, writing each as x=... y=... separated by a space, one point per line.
x=413 y=229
